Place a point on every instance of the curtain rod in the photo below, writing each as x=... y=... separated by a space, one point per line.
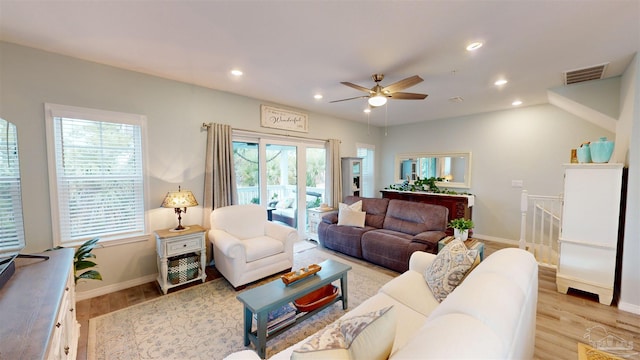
x=208 y=125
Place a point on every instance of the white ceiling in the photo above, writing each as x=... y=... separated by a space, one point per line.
x=291 y=50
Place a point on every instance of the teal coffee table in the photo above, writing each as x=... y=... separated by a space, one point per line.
x=271 y=296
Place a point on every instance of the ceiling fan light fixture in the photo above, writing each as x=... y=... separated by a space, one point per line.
x=377 y=100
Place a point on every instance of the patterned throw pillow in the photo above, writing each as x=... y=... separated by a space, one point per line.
x=449 y=268
x=367 y=336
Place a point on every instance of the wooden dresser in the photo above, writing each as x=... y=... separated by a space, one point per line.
x=37 y=309
x=460 y=206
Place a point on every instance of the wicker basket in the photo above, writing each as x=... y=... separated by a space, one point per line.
x=183 y=268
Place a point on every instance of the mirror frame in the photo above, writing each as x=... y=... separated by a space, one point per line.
x=413 y=155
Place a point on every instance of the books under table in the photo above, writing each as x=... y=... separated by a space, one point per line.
x=277 y=319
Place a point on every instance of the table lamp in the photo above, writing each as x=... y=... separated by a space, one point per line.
x=179 y=201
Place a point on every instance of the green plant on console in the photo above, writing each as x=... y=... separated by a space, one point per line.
x=461 y=224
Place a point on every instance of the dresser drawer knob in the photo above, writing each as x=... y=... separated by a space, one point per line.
x=66 y=350
x=58 y=325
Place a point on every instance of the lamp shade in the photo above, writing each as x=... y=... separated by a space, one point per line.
x=179 y=199
x=377 y=100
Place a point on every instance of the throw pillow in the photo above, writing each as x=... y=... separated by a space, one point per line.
x=367 y=336
x=449 y=268
x=284 y=204
x=351 y=215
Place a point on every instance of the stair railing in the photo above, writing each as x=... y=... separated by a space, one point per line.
x=540 y=226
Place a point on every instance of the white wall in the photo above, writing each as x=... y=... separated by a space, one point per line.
x=527 y=144
x=175 y=112
x=630 y=122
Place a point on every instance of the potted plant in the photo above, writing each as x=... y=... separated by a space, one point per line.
x=461 y=228
x=81 y=261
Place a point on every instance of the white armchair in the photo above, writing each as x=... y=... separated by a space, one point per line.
x=246 y=246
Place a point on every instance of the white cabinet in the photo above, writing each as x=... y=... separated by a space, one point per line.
x=589 y=230
x=66 y=331
x=182 y=256
x=351 y=176
x=314 y=216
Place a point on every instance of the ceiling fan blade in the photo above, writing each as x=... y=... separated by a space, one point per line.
x=357 y=87
x=353 y=98
x=407 y=96
x=402 y=84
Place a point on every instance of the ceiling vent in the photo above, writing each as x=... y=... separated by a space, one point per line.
x=586 y=74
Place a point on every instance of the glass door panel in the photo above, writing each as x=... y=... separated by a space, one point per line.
x=316 y=169
x=246 y=163
x=282 y=182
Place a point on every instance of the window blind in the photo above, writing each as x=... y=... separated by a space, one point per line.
x=367 y=153
x=11 y=222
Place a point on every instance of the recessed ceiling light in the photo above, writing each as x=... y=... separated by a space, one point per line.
x=317 y=96
x=367 y=110
x=500 y=82
x=516 y=103
x=236 y=72
x=474 y=46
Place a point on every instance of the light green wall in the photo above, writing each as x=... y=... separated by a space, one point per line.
x=175 y=111
x=601 y=95
x=527 y=144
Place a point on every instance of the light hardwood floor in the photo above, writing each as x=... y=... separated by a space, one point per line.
x=562 y=320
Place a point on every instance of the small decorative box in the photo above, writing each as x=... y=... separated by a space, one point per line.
x=294 y=276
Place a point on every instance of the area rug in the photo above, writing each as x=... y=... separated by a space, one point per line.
x=205 y=321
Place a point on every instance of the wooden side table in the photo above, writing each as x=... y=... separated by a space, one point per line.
x=314 y=216
x=472 y=244
x=171 y=245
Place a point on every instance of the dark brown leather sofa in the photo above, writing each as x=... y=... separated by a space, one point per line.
x=393 y=230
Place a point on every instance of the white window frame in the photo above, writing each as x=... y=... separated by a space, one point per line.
x=53 y=111
x=368 y=168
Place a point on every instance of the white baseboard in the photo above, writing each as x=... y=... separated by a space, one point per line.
x=632 y=308
x=84 y=295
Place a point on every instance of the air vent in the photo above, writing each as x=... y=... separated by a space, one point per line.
x=579 y=75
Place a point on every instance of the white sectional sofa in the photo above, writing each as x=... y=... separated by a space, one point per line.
x=491 y=315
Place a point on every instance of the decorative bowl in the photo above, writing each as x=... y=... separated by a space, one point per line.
x=316 y=298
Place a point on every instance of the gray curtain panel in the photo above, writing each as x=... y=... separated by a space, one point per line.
x=219 y=175
x=336 y=173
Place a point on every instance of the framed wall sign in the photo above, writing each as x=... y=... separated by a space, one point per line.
x=283 y=119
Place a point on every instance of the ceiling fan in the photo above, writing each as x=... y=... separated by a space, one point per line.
x=378 y=94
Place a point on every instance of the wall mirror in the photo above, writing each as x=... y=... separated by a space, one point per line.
x=11 y=223
x=455 y=168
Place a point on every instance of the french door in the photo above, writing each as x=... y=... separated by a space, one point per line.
x=286 y=176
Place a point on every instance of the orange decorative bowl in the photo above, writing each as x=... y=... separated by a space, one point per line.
x=316 y=298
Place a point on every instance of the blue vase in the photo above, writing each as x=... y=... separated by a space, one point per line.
x=584 y=154
x=601 y=150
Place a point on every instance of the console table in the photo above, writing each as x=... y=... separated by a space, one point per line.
x=460 y=206
x=37 y=309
